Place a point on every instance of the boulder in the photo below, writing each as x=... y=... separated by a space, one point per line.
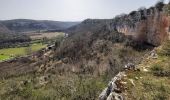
x=130 y=66
x=132 y=82
x=115 y=96
x=153 y=54
x=103 y=95
x=113 y=89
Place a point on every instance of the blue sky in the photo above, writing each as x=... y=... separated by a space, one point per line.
x=68 y=10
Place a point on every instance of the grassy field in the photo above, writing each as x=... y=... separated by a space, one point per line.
x=4 y=57
x=21 y=51
x=36 y=44
x=48 y=35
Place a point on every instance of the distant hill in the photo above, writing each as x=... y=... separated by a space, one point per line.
x=4 y=29
x=27 y=25
x=8 y=38
x=80 y=66
x=88 y=25
x=11 y=30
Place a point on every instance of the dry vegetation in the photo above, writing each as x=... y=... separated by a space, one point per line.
x=154 y=83
x=77 y=69
x=80 y=66
x=48 y=35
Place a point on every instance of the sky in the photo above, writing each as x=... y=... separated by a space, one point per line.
x=68 y=10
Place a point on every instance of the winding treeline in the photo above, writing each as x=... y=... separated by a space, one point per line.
x=13 y=40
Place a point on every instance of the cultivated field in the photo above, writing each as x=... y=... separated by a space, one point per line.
x=9 y=53
x=48 y=35
x=3 y=57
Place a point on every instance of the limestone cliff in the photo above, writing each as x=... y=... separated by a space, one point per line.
x=146 y=25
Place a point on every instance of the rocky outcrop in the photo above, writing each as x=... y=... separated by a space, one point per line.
x=149 y=26
x=146 y=25
x=114 y=89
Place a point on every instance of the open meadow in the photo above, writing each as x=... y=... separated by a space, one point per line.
x=9 y=53
x=48 y=35
x=39 y=41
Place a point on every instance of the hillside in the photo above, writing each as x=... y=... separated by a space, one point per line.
x=83 y=62
x=8 y=38
x=4 y=29
x=80 y=66
x=88 y=25
x=148 y=26
x=11 y=30
x=147 y=80
x=27 y=25
x=152 y=82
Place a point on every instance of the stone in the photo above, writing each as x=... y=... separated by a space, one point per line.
x=153 y=54
x=110 y=97
x=136 y=78
x=115 y=87
x=103 y=95
x=124 y=75
x=114 y=96
x=145 y=70
x=43 y=80
x=130 y=66
x=132 y=82
x=124 y=83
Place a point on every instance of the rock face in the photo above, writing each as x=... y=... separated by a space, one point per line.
x=147 y=25
x=114 y=89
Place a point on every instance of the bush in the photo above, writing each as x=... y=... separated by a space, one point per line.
x=160 y=4
x=158 y=70
x=166 y=49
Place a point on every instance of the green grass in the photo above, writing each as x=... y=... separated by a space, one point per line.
x=21 y=51
x=39 y=46
x=154 y=84
x=70 y=87
x=4 y=57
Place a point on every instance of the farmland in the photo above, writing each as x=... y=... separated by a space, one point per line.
x=39 y=41
x=9 y=53
x=4 y=57
x=48 y=35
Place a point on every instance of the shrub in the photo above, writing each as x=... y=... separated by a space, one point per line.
x=166 y=49
x=160 y=4
x=158 y=70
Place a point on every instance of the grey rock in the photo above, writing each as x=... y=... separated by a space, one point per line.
x=130 y=66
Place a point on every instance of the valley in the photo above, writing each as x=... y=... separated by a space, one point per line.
x=9 y=53
x=48 y=35
x=38 y=42
x=123 y=58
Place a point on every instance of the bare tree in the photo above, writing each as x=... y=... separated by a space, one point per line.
x=160 y=4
